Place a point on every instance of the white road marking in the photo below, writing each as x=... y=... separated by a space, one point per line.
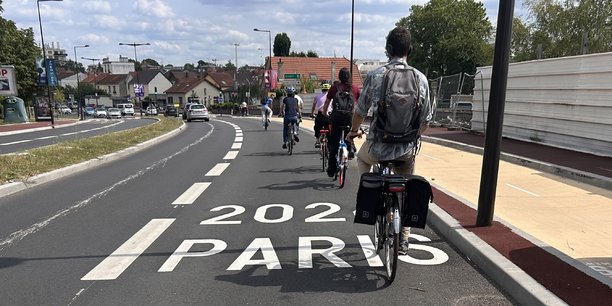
x=16 y=142
x=238 y=139
x=43 y=138
x=113 y=265
x=217 y=169
x=369 y=251
x=231 y=155
x=66 y=134
x=431 y=157
x=270 y=259
x=237 y=145
x=523 y=190
x=306 y=251
x=191 y=194
x=183 y=251
x=239 y=134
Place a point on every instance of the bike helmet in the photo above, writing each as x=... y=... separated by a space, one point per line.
x=326 y=86
x=290 y=90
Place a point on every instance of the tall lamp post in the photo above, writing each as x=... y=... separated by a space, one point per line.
x=42 y=39
x=270 y=44
x=76 y=66
x=93 y=63
x=236 y=58
x=136 y=70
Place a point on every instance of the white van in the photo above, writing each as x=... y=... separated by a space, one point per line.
x=126 y=109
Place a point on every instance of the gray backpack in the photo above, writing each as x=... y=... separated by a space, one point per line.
x=399 y=109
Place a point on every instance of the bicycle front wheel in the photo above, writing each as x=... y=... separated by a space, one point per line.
x=390 y=246
x=341 y=176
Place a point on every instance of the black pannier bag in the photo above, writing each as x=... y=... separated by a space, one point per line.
x=416 y=202
x=369 y=198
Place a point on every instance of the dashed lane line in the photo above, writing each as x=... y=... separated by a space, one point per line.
x=191 y=194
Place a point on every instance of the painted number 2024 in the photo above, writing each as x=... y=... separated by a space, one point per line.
x=261 y=214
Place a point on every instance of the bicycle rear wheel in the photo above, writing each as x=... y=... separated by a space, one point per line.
x=390 y=245
x=324 y=153
x=341 y=176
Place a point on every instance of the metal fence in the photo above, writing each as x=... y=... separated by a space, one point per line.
x=452 y=96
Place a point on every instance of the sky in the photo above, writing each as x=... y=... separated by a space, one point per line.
x=185 y=31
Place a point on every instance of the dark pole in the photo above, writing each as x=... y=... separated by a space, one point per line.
x=42 y=38
x=136 y=70
x=352 y=29
x=79 y=108
x=497 y=100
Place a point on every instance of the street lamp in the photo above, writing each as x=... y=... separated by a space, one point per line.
x=76 y=66
x=93 y=60
x=42 y=38
x=236 y=62
x=269 y=42
x=135 y=61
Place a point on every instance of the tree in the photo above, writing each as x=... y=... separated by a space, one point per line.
x=449 y=36
x=312 y=53
x=229 y=66
x=559 y=26
x=189 y=67
x=151 y=62
x=19 y=49
x=282 y=44
x=521 y=48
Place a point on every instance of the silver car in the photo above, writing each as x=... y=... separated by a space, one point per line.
x=100 y=112
x=197 y=111
x=113 y=113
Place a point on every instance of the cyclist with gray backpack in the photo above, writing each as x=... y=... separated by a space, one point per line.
x=343 y=97
x=399 y=97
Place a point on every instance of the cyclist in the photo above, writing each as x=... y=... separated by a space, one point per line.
x=339 y=118
x=243 y=109
x=374 y=150
x=300 y=107
x=289 y=111
x=317 y=112
x=266 y=111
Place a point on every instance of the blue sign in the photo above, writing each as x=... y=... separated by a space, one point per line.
x=51 y=73
x=139 y=90
x=41 y=69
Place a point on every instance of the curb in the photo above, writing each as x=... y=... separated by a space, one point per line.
x=565 y=172
x=522 y=287
x=10 y=188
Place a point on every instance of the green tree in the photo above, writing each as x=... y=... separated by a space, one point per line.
x=18 y=48
x=189 y=67
x=151 y=62
x=559 y=26
x=521 y=48
x=282 y=44
x=229 y=66
x=449 y=36
x=312 y=53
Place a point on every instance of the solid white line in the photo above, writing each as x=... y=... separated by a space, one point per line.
x=231 y=155
x=238 y=139
x=47 y=137
x=15 y=142
x=217 y=169
x=523 y=190
x=191 y=194
x=428 y=156
x=237 y=145
x=113 y=265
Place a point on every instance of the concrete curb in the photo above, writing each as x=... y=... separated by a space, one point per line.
x=10 y=188
x=565 y=172
x=515 y=281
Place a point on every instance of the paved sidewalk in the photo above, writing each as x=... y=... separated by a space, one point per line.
x=551 y=242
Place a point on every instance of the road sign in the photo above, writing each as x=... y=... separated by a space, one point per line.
x=291 y=82
x=139 y=90
x=292 y=75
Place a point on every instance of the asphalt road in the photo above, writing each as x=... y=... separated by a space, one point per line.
x=92 y=127
x=189 y=222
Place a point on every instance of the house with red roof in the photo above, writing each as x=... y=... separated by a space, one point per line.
x=318 y=69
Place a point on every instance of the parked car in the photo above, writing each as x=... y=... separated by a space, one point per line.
x=100 y=112
x=170 y=111
x=185 y=108
x=89 y=111
x=65 y=110
x=113 y=113
x=197 y=111
x=151 y=111
x=127 y=109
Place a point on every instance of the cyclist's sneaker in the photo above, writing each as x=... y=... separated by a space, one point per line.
x=284 y=145
x=331 y=173
x=403 y=249
x=296 y=138
x=317 y=144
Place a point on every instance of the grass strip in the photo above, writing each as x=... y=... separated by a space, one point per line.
x=21 y=165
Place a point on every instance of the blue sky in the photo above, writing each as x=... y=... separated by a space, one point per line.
x=185 y=31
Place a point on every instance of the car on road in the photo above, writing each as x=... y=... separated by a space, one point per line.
x=100 y=112
x=197 y=111
x=151 y=111
x=127 y=109
x=89 y=111
x=113 y=113
x=65 y=110
x=170 y=111
x=185 y=109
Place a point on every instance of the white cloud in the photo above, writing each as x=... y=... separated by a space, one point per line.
x=155 y=8
x=107 y=22
x=97 y=7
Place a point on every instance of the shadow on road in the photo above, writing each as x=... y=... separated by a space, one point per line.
x=322 y=184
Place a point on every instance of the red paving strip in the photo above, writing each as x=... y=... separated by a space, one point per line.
x=559 y=277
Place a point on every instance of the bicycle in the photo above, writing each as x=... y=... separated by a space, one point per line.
x=342 y=160
x=291 y=137
x=388 y=226
x=323 y=146
x=266 y=120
